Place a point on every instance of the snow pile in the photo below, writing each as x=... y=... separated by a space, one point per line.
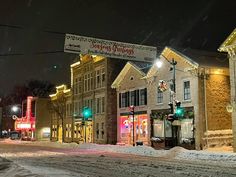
x=178 y=153
x=137 y=150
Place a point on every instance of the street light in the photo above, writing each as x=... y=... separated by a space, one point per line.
x=171 y=116
x=15 y=108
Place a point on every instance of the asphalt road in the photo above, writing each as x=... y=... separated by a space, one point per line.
x=31 y=160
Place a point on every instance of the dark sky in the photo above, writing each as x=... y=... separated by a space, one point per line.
x=32 y=39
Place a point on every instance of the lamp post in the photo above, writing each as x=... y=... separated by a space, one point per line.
x=173 y=64
x=132 y=114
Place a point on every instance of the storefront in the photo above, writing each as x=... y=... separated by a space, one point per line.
x=171 y=133
x=139 y=122
x=83 y=131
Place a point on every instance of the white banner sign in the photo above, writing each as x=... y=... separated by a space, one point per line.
x=112 y=49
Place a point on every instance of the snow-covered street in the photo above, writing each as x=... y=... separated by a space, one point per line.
x=55 y=159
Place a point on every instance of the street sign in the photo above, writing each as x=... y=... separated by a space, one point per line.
x=88 y=45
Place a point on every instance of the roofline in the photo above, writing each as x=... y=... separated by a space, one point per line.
x=117 y=80
x=227 y=40
x=186 y=58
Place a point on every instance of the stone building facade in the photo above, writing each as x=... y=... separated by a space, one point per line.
x=131 y=91
x=229 y=46
x=202 y=87
x=61 y=115
x=91 y=78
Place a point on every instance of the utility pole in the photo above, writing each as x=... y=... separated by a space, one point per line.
x=173 y=63
x=132 y=113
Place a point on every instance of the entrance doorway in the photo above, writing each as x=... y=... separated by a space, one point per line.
x=60 y=133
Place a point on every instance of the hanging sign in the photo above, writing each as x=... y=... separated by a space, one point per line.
x=112 y=49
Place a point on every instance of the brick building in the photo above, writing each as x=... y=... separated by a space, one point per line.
x=91 y=78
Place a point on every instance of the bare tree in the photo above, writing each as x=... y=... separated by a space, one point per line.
x=58 y=106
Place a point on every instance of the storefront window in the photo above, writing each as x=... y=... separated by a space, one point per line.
x=159 y=128
x=125 y=127
x=140 y=124
x=186 y=129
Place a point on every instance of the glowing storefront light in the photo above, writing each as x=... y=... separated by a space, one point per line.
x=23 y=126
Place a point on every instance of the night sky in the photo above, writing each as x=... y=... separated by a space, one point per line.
x=32 y=31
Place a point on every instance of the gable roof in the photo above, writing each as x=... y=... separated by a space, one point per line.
x=227 y=44
x=140 y=67
x=194 y=58
x=204 y=58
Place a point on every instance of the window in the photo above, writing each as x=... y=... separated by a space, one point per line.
x=103 y=105
x=102 y=128
x=98 y=105
x=143 y=96
x=85 y=82
x=159 y=96
x=91 y=80
x=69 y=130
x=97 y=130
x=68 y=109
x=132 y=98
x=123 y=100
x=98 y=79
x=187 y=95
x=76 y=86
x=80 y=85
x=103 y=76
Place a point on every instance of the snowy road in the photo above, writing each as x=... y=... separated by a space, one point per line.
x=32 y=159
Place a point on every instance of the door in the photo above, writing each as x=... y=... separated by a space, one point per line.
x=60 y=133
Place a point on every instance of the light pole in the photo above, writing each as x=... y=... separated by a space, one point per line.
x=132 y=113
x=173 y=63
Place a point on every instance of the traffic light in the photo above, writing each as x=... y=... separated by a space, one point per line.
x=131 y=109
x=179 y=111
x=171 y=107
x=87 y=112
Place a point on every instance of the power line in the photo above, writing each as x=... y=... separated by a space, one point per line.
x=53 y=32
x=48 y=52
x=11 y=26
x=10 y=54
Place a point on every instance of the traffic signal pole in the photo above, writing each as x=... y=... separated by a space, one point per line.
x=173 y=63
x=132 y=113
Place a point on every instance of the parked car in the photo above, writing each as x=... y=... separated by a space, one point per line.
x=14 y=135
